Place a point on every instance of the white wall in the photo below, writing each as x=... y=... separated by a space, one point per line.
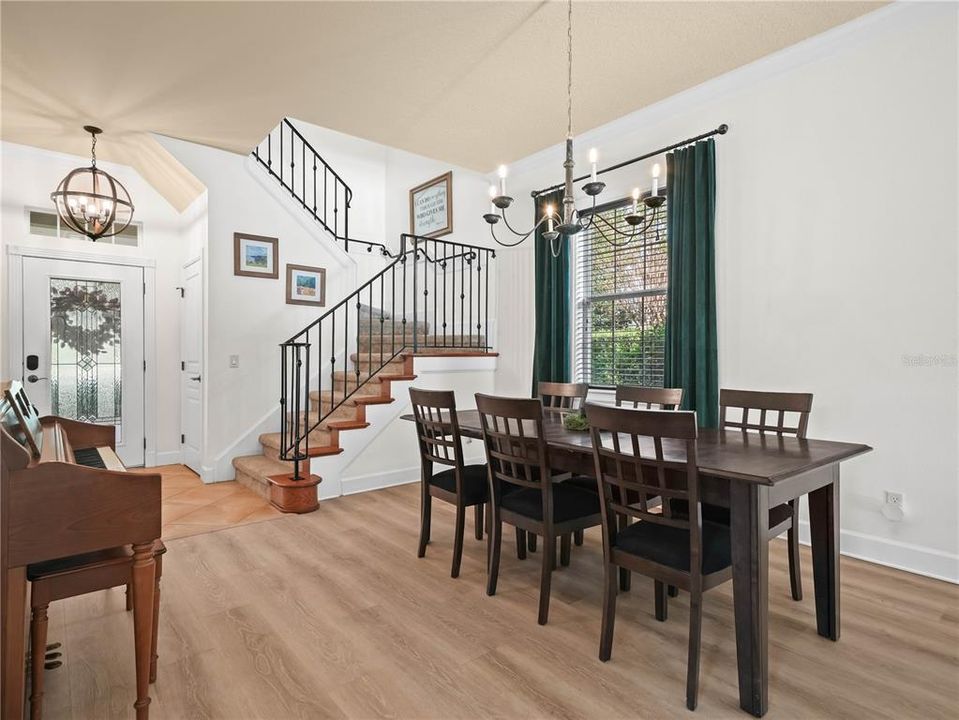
x=29 y=176
x=836 y=254
x=248 y=316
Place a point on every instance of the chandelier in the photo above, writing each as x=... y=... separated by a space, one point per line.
x=569 y=221
x=92 y=202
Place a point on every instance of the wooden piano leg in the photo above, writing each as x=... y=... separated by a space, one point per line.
x=38 y=650
x=144 y=589
x=12 y=656
x=156 y=629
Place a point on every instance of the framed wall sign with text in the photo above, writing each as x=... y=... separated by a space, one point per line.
x=431 y=207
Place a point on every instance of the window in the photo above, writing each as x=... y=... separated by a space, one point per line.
x=621 y=303
x=47 y=223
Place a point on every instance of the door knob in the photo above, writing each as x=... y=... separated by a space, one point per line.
x=34 y=378
x=196 y=379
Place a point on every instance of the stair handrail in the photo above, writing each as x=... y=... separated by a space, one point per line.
x=437 y=258
x=299 y=146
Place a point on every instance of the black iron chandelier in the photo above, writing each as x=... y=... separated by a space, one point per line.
x=570 y=221
x=92 y=202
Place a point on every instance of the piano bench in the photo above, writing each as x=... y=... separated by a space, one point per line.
x=78 y=575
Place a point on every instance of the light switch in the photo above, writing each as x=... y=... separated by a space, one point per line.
x=234 y=361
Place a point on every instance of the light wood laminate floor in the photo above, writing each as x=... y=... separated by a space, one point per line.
x=191 y=507
x=332 y=615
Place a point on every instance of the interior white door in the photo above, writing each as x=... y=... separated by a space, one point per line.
x=191 y=365
x=83 y=354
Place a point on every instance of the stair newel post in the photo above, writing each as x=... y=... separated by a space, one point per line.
x=469 y=263
x=382 y=310
x=346 y=218
x=369 y=344
x=323 y=413
x=296 y=411
x=416 y=296
x=306 y=397
x=446 y=252
x=284 y=420
x=486 y=312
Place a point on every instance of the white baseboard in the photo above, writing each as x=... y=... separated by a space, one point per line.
x=892 y=553
x=377 y=481
x=170 y=457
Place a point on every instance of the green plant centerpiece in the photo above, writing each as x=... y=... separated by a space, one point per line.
x=576 y=421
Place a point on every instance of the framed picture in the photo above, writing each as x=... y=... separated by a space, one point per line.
x=431 y=207
x=305 y=285
x=255 y=256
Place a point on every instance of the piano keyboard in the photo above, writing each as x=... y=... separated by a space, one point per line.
x=99 y=457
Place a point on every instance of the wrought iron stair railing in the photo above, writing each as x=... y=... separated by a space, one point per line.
x=311 y=181
x=433 y=294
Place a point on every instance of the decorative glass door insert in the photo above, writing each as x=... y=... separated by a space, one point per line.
x=83 y=345
x=86 y=380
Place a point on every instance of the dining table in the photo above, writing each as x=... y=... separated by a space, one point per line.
x=749 y=473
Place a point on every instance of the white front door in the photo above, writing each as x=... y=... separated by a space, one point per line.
x=191 y=365
x=83 y=355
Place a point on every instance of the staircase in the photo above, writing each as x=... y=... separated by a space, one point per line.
x=431 y=298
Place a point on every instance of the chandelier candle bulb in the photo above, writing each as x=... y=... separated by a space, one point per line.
x=492 y=194
x=549 y=218
x=502 y=179
x=656 y=179
x=593 y=158
x=635 y=199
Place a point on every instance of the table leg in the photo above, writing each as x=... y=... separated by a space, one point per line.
x=144 y=587
x=824 y=534
x=749 y=519
x=13 y=660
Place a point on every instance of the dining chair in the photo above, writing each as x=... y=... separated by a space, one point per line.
x=634 y=396
x=518 y=459
x=440 y=442
x=76 y=575
x=772 y=409
x=778 y=404
x=562 y=397
x=650 y=398
x=559 y=398
x=638 y=455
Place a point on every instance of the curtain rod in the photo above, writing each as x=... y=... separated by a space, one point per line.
x=721 y=130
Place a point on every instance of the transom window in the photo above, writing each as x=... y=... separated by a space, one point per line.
x=621 y=303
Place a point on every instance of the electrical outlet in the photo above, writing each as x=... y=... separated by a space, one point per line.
x=894 y=498
x=234 y=361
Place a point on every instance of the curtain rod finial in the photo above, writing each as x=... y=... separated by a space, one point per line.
x=723 y=129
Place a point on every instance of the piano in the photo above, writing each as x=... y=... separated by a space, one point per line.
x=64 y=492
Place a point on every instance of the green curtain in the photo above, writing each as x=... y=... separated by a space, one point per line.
x=691 y=361
x=551 y=352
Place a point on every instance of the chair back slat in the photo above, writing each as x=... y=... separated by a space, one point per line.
x=648 y=397
x=437 y=427
x=775 y=404
x=514 y=439
x=629 y=469
x=562 y=397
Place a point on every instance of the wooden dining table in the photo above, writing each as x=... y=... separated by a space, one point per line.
x=748 y=473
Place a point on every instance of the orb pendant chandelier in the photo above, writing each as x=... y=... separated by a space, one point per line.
x=92 y=202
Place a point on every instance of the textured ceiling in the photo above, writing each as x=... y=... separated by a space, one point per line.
x=471 y=83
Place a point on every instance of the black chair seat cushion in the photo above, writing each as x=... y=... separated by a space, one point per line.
x=583 y=483
x=719 y=514
x=475 y=483
x=670 y=545
x=569 y=503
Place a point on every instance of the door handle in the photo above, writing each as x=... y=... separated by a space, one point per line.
x=34 y=378
x=196 y=379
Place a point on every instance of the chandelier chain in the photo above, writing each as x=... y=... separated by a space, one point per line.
x=569 y=67
x=93 y=149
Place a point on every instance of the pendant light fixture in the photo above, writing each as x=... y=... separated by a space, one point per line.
x=568 y=221
x=92 y=202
